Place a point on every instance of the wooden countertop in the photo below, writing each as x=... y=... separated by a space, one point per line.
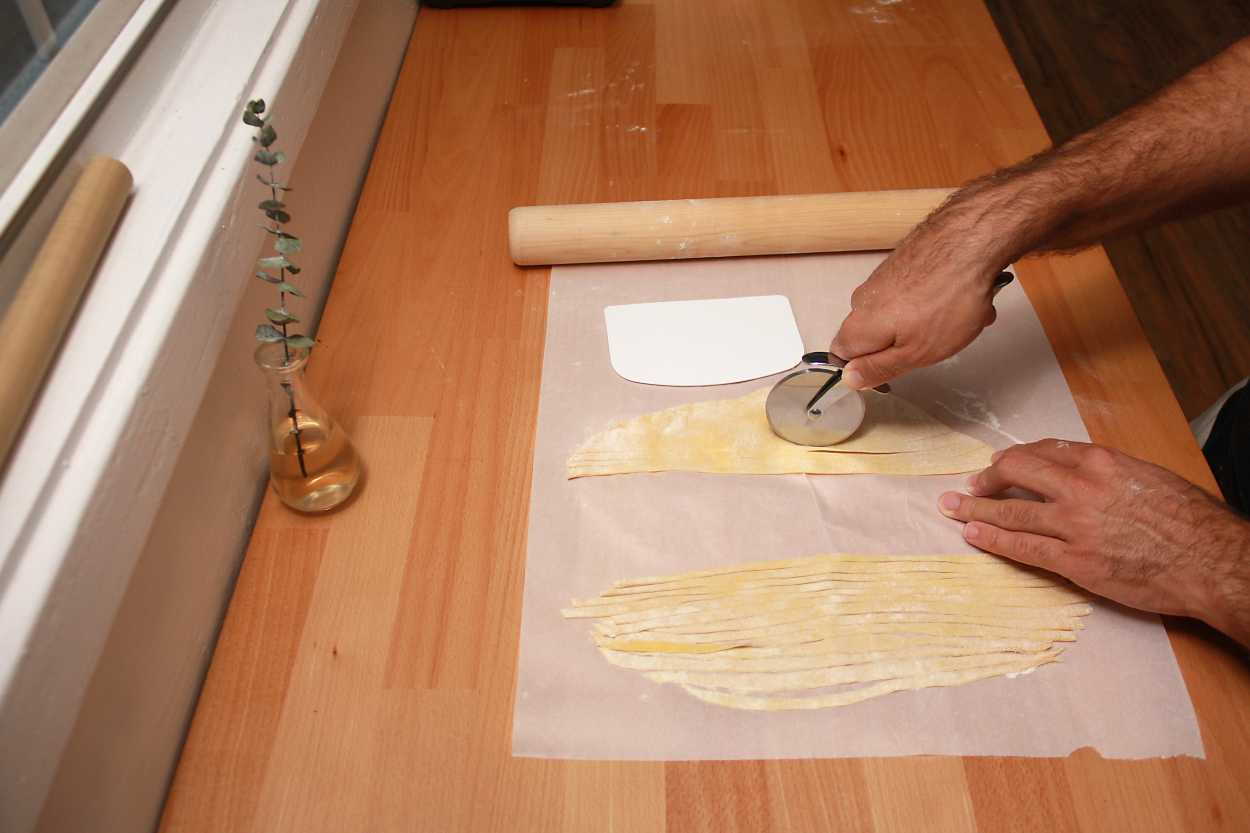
x=364 y=676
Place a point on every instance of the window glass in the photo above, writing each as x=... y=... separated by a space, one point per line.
x=31 y=34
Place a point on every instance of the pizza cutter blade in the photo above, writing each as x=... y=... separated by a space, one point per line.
x=811 y=407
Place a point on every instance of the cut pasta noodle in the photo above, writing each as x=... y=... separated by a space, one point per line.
x=832 y=630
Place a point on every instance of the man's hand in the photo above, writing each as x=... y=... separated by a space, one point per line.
x=1185 y=150
x=926 y=302
x=1117 y=526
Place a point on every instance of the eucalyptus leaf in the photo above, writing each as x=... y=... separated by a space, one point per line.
x=251 y=118
x=256 y=105
x=280 y=316
x=300 y=341
x=268 y=332
x=276 y=262
x=290 y=289
x=265 y=157
x=268 y=278
x=292 y=268
x=278 y=216
x=267 y=136
x=288 y=245
x=271 y=205
x=272 y=183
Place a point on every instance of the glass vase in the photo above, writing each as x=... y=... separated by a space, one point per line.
x=312 y=464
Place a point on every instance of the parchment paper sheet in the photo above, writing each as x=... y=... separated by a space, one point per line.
x=1118 y=688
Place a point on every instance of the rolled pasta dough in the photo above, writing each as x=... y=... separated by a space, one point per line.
x=732 y=436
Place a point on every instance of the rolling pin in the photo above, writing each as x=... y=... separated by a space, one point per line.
x=721 y=227
x=32 y=327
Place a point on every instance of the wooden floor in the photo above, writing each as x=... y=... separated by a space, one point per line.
x=365 y=673
x=1082 y=62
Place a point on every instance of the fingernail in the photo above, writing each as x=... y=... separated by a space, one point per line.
x=852 y=378
x=971 y=531
x=948 y=503
x=994 y=458
x=972 y=482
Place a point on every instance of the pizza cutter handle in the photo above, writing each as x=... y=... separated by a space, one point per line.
x=833 y=360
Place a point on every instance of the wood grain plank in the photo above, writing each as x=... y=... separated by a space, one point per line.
x=919 y=794
x=1035 y=791
x=230 y=740
x=569 y=171
x=820 y=796
x=684 y=134
x=332 y=715
x=630 y=130
x=634 y=797
x=718 y=797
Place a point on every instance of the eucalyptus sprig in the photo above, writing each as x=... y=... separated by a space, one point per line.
x=284 y=243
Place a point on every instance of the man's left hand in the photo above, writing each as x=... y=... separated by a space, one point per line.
x=1118 y=526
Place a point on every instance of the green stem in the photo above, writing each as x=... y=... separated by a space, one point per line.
x=286 y=352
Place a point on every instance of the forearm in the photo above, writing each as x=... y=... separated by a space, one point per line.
x=1225 y=605
x=1184 y=150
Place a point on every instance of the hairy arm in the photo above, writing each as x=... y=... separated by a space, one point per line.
x=1187 y=149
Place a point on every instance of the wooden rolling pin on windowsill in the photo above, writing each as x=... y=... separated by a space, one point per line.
x=32 y=327
x=721 y=227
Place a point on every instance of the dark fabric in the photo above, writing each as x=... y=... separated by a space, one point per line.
x=1228 y=450
x=461 y=4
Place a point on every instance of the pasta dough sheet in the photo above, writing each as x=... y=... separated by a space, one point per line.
x=588 y=533
x=732 y=436
x=833 y=630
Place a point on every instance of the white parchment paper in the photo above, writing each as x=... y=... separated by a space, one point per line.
x=1118 y=688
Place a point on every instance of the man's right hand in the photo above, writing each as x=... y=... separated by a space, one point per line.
x=1183 y=150
x=929 y=299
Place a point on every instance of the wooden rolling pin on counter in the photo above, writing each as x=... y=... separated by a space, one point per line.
x=721 y=227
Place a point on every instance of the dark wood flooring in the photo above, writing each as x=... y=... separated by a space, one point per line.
x=1189 y=281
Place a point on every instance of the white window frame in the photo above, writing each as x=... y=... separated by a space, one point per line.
x=87 y=474
x=60 y=101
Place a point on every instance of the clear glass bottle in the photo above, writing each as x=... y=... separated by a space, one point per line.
x=312 y=464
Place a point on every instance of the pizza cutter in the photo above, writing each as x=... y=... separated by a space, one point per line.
x=811 y=407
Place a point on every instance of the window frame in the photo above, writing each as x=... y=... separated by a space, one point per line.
x=59 y=105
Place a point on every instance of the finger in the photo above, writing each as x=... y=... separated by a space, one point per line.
x=861 y=334
x=1061 y=452
x=1016 y=515
x=1019 y=468
x=876 y=368
x=1025 y=547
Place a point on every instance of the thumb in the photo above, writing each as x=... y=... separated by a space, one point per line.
x=875 y=368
